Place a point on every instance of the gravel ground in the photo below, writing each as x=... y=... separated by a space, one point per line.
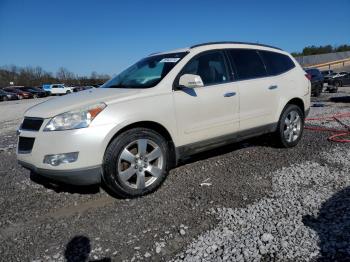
x=244 y=201
x=306 y=216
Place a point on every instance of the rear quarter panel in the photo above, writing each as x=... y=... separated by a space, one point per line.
x=294 y=85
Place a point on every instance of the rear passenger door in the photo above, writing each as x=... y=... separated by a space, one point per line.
x=258 y=92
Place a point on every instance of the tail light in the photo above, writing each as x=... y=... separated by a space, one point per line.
x=308 y=76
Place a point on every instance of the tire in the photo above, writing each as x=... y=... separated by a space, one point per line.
x=337 y=84
x=334 y=90
x=141 y=174
x=68 y=92
x=318 y=91
x=289 y=136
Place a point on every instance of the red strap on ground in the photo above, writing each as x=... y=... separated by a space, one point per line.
x=338 y=135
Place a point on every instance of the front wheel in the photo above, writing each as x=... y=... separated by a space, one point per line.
x=136 y=163
x=290 y=126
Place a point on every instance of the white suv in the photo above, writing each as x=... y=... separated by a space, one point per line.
x=60 y=89
x=164 y=108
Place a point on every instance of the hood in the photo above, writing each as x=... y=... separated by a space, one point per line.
x=59 y=105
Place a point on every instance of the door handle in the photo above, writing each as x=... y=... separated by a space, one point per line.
x=273 y=87
x=229 y=94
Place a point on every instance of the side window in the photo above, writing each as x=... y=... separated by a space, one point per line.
x=277 y=63
x=248 y=63
x=210 y=67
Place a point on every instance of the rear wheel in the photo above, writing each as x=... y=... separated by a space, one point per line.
x=136 y=162
x=290 y=126
x=337 y=84
x=68 y=92
x=318 y=91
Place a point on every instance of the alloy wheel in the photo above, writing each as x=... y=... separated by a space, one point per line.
x=292 y=126
x=140 y=164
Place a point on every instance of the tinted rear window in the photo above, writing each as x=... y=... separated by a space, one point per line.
x=276 y=63
x=248 y=63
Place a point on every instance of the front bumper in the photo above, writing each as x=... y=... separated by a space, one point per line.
x=83 y=176
x=89 y=142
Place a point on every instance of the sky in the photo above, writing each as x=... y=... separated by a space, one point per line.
x=106 y=36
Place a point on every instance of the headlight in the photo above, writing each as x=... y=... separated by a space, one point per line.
x=75 y=119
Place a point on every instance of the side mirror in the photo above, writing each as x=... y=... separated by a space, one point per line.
x=190 y=81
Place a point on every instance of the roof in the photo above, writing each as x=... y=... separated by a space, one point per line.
x=229 y=42
x=212 y=43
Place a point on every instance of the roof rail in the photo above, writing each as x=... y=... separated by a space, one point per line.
x=231 y=42
x=154 y=53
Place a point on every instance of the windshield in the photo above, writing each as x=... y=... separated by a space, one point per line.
x=146 y=73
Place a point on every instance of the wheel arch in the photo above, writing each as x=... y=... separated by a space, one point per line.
x=292 y=101
x=298 y=102
x=155 y=127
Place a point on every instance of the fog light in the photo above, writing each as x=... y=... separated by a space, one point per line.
x=57 y=159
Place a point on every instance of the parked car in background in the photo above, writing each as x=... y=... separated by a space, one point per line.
x=48 y=93
x=21 y=94
x=5 y=96
x=36 y=92
x=343 y=73
x=77 y=89
x=82 y=88
x=316 y=79
x=327 y=74
x=58 y=89
x=342 y=80
x=130 y=132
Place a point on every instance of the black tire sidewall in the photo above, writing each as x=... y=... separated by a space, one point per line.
x=113 y=151
x=317 y=92
x=280 y=127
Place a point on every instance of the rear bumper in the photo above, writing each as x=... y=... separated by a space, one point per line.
x=83 y=176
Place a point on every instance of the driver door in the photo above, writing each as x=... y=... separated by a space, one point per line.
x=211 y=111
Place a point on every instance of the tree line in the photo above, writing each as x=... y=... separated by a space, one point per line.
x=317 y=50
x=36 y=76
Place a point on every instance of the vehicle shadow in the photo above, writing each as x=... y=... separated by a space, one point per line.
x=340 y=99
x=61 y=187
x=333 y=227
x=78 y=250
x=263 y=140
